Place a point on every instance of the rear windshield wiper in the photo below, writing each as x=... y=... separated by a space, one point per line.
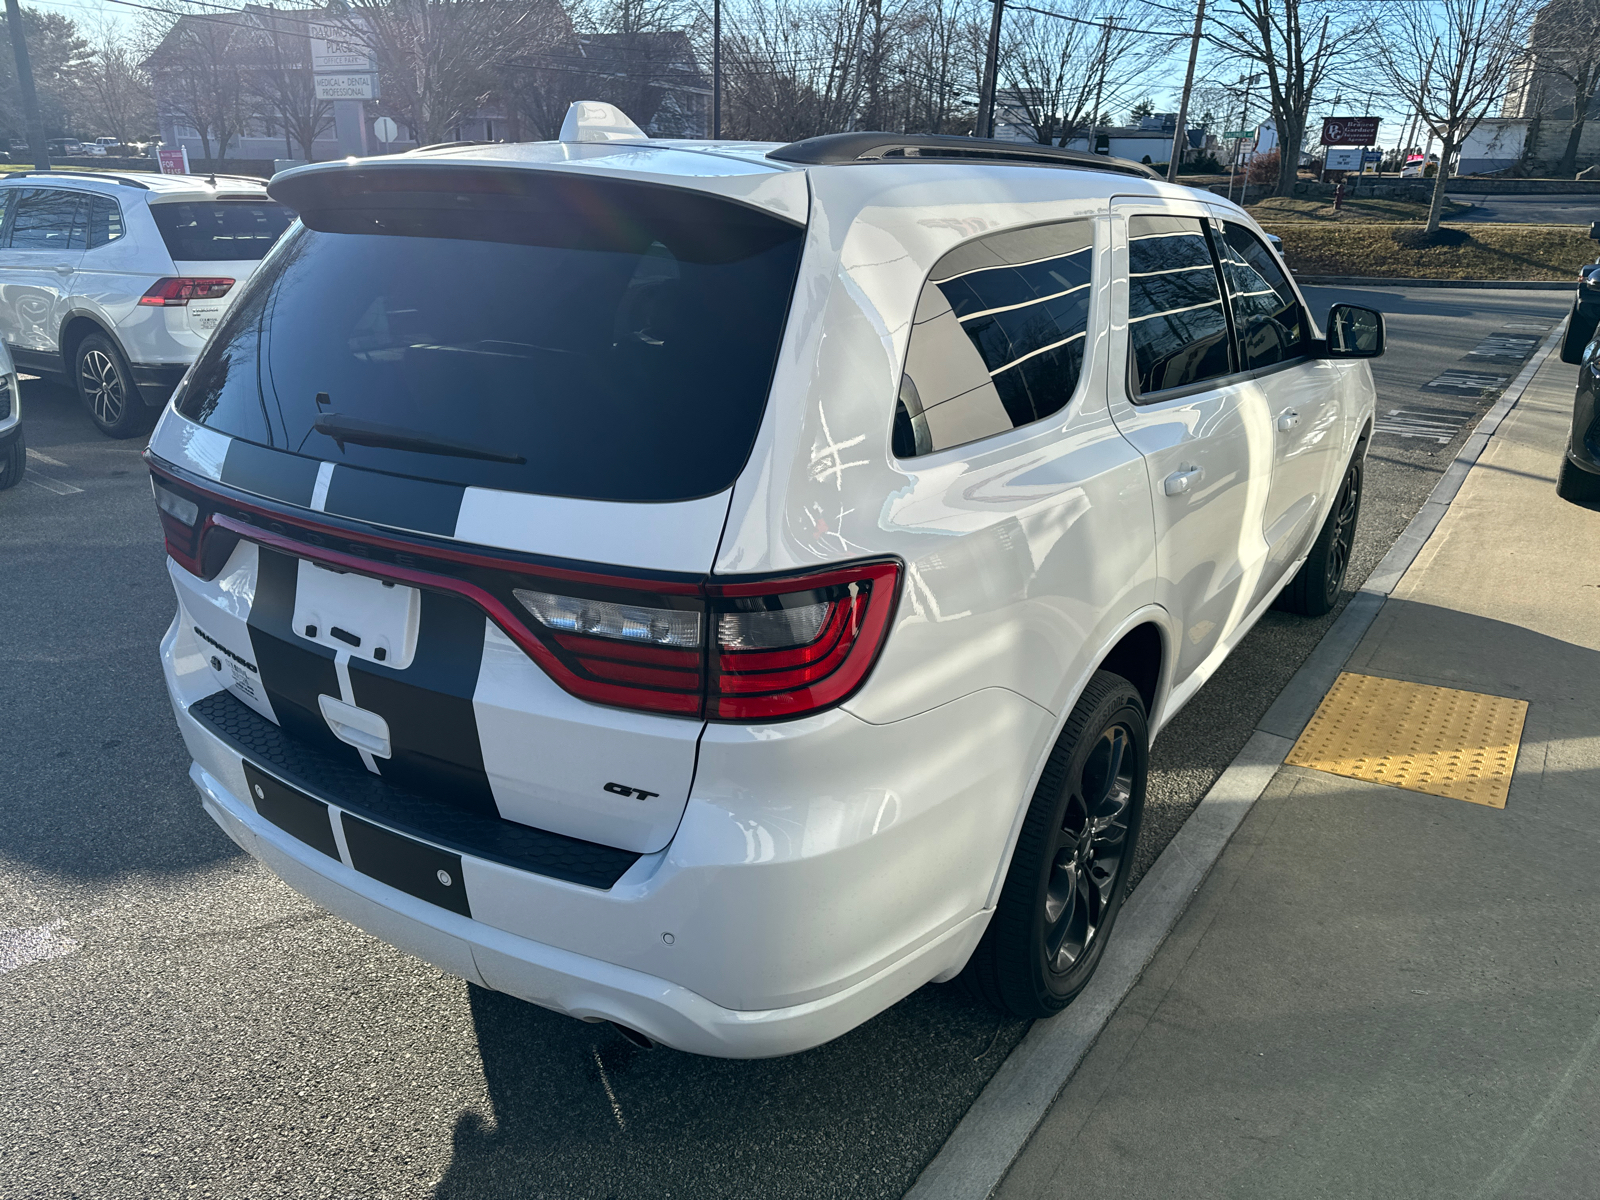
x=344 y=429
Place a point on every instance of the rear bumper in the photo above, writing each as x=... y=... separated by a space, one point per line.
x=861 y=866
x=156 y=381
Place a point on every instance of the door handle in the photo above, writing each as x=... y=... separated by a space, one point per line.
x=1180 y=482
x=63 y=268
x=1287 y=420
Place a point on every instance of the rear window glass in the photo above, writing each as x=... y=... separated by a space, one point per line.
x=617 y=339
x=220 y=230
x=1176 y=325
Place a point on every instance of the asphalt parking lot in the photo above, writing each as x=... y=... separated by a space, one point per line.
x=178 y=1022
x=1552 y=209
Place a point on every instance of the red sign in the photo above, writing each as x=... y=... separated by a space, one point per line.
x=174 y=161
x=1349 y=131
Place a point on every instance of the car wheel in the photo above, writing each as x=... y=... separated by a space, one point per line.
x=1315 y=588
x=106 y=387
x=1069 y=872
x=1575 y=484
x=1580 y=330
x=13 y=462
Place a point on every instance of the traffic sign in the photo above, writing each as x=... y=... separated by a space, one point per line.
x=385 y=129
x=1236 y=134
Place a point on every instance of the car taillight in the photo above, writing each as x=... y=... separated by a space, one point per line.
x=716 y=648
x=792 y=646
x=169 y=292
x=634 y=655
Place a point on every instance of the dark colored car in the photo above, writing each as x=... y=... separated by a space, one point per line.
x=1579 y=478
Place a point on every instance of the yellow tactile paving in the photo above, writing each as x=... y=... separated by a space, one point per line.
x=1460 y=745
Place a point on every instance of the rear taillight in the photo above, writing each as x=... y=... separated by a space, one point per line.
x=715 y=648
x=170 y=292
x=792 y=646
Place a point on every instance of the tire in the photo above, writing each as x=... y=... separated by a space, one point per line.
x=1581 y=325
x=1069 y=872
x=1577 y=485
x=13 y=462
x=1315 y=588
x=106 y=387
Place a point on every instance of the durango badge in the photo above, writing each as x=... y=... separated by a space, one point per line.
x=618 y=789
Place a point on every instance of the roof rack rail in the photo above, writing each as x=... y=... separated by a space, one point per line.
x=446 y=146
x=910 y=147
x=130 y=180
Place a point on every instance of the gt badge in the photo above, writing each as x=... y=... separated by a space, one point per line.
x=617 y=789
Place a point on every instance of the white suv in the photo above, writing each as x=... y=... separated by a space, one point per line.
x=719 y=588
x=114 y=282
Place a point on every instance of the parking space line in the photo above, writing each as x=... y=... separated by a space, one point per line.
x=44 y=458
x=51 y=485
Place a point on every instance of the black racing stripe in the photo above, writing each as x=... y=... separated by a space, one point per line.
x=394 y=500
x=432 y=725
x=294 y=672
x=286 y=477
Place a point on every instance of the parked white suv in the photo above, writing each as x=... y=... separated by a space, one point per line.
x=719 y=588
x=114 y=282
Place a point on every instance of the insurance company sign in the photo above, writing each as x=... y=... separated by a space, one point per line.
x=1349 y=131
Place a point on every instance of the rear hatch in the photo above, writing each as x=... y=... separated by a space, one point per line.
x=216 y=244
x=441 y=358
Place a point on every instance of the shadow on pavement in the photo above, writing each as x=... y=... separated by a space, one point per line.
x=582 y=1114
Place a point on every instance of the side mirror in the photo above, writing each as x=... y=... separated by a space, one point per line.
x=1354 y=332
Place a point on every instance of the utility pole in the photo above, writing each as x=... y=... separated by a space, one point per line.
x=1099 y=83
x=991 y=66
x=716 y=69
x=1180 y=136
x=30 y=100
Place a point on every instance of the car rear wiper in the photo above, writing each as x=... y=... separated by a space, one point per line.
x=344 y=429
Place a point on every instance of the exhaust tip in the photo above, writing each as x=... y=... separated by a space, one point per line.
x=633 y=1035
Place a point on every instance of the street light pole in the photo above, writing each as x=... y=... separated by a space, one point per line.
x=30 y=100
x=991 y=64
x=1180 y=136
x=716 y=69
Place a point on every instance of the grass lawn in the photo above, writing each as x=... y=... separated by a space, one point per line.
x=1526 y=252
x=1294 y=208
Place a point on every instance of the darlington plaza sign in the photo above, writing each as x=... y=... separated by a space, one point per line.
x=1349 y=131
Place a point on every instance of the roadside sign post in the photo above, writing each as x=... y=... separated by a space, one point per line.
x=385 y=130
x=174 y=160
x=343 y=71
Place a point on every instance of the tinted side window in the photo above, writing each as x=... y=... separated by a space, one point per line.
x=105 y=221
x=998 y=338
x=47 y=219
x=220 y=230
x=1176 y=325
x=1271 y=325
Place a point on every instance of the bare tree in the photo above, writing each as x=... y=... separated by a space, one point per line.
x=279 y=81
x=942 y=65
x=201 y=56
x=1296 y=44
x=438 y=59
x=1472 y=46
x=793 y=69
x=1564 y=63
x=1060 y=71
x=114 y=89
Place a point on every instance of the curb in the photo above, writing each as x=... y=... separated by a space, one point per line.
x=1532 y=285
x=982 y=1147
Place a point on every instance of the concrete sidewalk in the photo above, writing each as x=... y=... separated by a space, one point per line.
x=1378 y=992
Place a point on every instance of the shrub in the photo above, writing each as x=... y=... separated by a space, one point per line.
x=1264 y=168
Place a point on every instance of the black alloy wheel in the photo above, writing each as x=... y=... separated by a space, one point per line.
x=106 y=387
x=1069 y=872
x=1315 y=588
x=13 y=462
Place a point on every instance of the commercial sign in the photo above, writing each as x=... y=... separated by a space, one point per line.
x=173 y=160
x=334 y=49
x=363 y=86
x=1349 y=131
x=1344 y=160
